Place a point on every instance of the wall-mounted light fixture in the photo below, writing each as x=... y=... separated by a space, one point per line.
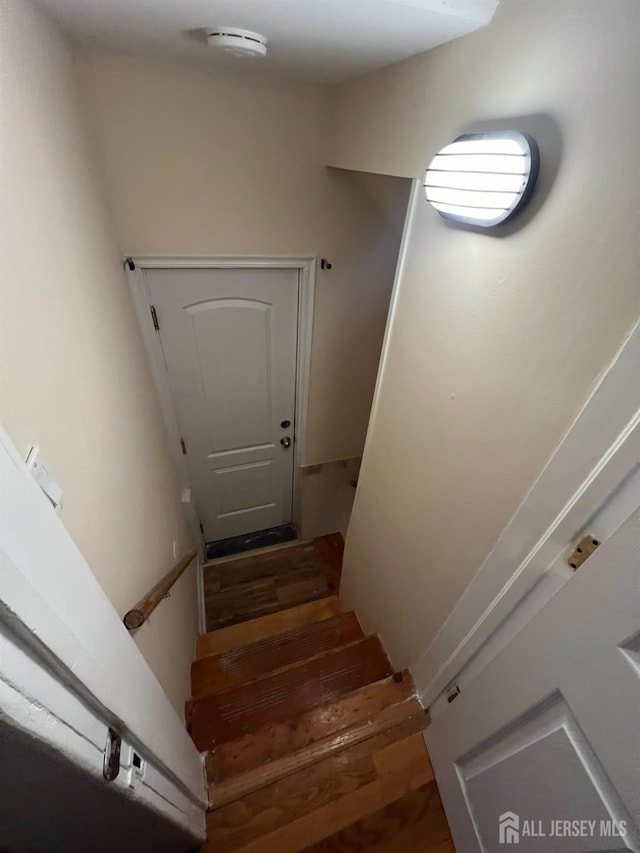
x=483 y=178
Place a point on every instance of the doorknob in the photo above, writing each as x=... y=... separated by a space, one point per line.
x=286 y=441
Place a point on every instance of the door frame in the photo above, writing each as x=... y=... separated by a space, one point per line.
x=71 y=669
x=138 y=284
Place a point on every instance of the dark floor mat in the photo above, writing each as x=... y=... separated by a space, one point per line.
x=251 y=541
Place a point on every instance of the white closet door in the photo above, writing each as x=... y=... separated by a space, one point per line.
x=549 y=731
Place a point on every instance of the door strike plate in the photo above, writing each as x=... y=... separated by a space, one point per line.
x=583 y=550
x=453 y=693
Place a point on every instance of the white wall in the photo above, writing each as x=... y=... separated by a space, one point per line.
x=75 y=378
x=328 y=494
x=206 y=162
x=498 y=338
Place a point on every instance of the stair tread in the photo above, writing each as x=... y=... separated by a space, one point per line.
x=277 y=749
x=220 y=717
x=233 y=636
x=409 y=712
x=317 y=801
x=216 y=673
x=257 y=585
x=249 y=566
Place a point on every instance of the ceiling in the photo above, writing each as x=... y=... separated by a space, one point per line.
x=321 y=41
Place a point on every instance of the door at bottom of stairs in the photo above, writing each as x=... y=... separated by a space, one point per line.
x=229 y=339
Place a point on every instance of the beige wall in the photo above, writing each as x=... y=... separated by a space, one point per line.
x=74 y=376
x=497 y=340
x=199 y=162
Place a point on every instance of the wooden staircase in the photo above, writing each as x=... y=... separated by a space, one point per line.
x=312 y=742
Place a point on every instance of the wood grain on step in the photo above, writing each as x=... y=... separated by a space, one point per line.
x=224 y=716
x=277 y=565
x=301 y=792
x=416 y=823
x=254 y=660
x=224 y=639
x=240 y=822
x=406 y=770
x=393 y=717
x=393 y=700
x=255 y=585
x=242 y=788
x=241 y=603
x=302 y=589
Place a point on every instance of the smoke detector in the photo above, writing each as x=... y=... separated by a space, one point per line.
x=237 y=42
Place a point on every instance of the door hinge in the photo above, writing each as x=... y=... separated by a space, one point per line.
x=183 y=447
x=111 y=760
x=154 y=317
x=583 y=550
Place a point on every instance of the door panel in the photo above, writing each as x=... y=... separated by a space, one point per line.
x=241 y=488
x=236 y=389
x=542 y=766
x=229 y=341
x=549 y=730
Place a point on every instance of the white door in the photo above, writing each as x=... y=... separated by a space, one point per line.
x=229 y=342
x=541 y=751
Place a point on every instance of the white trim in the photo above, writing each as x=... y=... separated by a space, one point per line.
x=306 y=297
x=600 y=450
x=306 y=307
x=83 y=666
x=142 y=302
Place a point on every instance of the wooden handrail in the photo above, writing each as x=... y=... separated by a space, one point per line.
x=144 y=608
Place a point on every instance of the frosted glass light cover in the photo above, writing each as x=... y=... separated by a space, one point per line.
x=483 y=178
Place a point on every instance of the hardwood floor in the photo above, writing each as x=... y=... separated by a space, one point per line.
x=234 y=636
x=311 y=742
x=415 y=823
x=244 y=588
